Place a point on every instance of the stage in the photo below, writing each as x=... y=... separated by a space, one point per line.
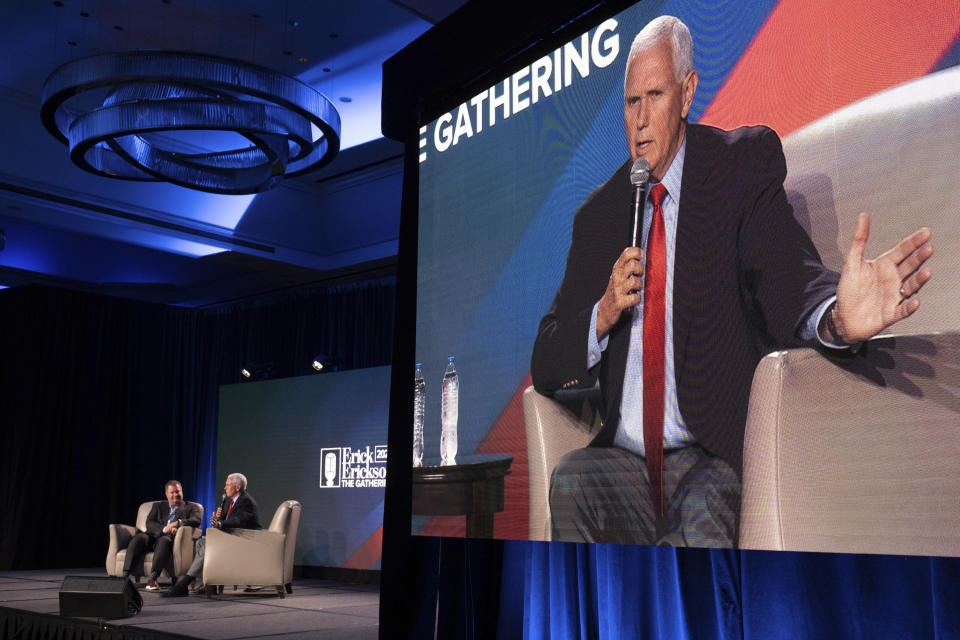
x=29 y=605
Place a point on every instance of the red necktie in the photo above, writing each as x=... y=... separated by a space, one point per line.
x=654 y=325
x=230 y=508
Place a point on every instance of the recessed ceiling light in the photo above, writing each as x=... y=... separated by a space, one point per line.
x=346 y=99
x=118 y=27
x=287 y=52
x=302 y=59
x=71 y=43
x=57 y=3
x=294 y=23
x=84 y=14
x=326 y=69
x=334 y=35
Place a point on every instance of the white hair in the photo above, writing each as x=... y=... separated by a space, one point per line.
x=665 y=28
x=238 y=479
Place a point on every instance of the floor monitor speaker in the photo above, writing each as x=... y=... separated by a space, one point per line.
x=99 y=597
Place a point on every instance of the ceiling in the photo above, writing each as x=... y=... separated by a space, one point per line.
x=62 y=226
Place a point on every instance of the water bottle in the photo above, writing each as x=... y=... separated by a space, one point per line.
x=419 y=403
x=448 y=416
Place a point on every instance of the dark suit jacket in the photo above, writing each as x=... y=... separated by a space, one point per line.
x=244 y=514
x=746 y=275
x=189 y=512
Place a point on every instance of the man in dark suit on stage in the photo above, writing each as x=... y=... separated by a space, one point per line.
x=674 y=331
x=162 y=523
x=239 y=511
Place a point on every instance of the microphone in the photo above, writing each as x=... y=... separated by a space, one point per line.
x=223 y=500
x=639 y=176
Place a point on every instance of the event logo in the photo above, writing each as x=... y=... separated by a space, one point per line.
x=330 y=467
x=342 y=467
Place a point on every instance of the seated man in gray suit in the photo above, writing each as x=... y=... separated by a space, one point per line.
x=162 y=523
x=239 y=511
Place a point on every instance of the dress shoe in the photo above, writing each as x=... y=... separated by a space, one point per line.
x=179 y=589
x=152 y=585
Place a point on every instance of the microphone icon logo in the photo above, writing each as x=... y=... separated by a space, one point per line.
x=330 y=465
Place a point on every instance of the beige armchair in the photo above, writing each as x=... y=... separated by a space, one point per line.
x=880 y=476
x=858 y=454
x=554 y=427
x=254 y=556
x=121 y=534
x=863 y=454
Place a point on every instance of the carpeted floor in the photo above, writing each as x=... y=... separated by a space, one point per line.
x=316 y=609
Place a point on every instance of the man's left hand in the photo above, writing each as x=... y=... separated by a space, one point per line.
x=171 y=528
x=874 y=294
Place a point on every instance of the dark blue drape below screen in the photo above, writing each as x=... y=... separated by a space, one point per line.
x=562 y=590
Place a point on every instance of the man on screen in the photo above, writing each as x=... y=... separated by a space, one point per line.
x=674 y=331
x=239 y=511
x=162 y=523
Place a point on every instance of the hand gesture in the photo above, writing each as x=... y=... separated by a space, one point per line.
x=874 y=294
x=623 y=290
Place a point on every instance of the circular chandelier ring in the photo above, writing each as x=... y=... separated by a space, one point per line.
x=189 y=92
x=148 y=117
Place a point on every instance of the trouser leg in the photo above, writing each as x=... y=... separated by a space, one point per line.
x=133 y=561
x=163 y=557
x=601 y=494
x=196 y=569
x=704 y=501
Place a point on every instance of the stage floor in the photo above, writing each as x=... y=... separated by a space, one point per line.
x=317 y=608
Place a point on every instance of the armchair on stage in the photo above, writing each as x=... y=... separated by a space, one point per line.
x=853 y=453
x=254 y=557
x=121 y=534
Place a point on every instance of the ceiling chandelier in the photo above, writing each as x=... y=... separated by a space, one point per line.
x=136 y=115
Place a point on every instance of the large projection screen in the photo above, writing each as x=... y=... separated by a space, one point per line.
x=865 y=97
x=280 y=434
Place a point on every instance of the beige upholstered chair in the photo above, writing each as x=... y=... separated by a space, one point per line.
x=881 y=476
x=121 y=534
x=254 y=557
x=863 y=453
x=554 y=427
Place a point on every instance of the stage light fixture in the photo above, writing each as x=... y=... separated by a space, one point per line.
x=134 y=115
x=253 y=371
x=324 y=363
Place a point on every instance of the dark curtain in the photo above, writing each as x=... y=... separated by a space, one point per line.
x=611 y=592
x=102 y=400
